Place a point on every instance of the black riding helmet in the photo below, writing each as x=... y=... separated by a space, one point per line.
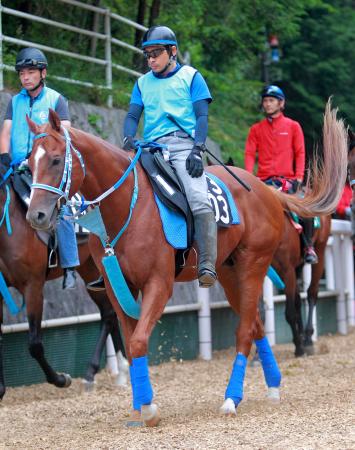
x=159 y=35
x=31 y=57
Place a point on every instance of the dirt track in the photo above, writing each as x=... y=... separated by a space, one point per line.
x=317 y=410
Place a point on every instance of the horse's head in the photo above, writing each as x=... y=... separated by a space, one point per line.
x=52 y=165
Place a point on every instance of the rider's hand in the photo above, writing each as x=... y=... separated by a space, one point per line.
x=129 y=143
x=194 y=164
x=5 y=161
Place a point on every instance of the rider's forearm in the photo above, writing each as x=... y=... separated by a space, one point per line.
x=5 y=137
x=132 y=119
x=201 y=113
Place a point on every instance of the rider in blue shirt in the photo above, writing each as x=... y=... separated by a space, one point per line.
x=35 y=99
x=175 y=100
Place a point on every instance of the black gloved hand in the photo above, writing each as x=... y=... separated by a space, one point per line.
x=194 y=164
x=129 y=143
x=5 y=161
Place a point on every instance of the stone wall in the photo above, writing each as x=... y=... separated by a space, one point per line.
x=107 y=123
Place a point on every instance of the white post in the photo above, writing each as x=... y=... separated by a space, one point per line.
x=329 y=265
x=306 y=281
x=306 y=276
x=268 y=294
x=341 y=307
x=348 y=255
x=111 y=359
x=204 y=323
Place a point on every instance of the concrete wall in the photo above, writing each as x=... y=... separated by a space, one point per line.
x=107 y=123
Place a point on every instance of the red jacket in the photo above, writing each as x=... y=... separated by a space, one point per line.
x=345 y=200
x=279 y=144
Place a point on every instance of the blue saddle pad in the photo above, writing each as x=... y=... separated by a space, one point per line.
x=225 y=210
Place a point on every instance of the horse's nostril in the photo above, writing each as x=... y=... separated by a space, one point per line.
x=40 y=217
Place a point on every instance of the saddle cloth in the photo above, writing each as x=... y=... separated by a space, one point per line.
x=174 y=211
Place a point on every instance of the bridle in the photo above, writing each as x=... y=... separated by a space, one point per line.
x=64 y=187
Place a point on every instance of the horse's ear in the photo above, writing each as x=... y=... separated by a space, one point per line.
x=230 y=161
x=32 y=125
x=54 y=120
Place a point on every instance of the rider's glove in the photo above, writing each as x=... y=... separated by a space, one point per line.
x=194 y=164
x=5 y=160
x=129 y=143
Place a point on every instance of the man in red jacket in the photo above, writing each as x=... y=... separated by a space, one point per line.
x=278 y=142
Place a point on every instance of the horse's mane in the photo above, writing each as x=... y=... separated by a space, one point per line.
x=78 y=134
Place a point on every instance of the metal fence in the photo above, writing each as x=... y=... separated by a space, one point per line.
x=109 y=41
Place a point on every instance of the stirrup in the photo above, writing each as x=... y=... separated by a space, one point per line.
x=206 y=278
x=97 y=285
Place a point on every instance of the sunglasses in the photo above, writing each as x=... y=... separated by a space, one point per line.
x=153 y=53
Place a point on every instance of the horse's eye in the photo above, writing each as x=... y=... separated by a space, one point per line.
x=56 y=161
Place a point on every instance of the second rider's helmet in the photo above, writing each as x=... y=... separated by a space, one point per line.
x=31 y=57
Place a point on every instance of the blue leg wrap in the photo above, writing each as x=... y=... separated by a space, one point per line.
x=235 y=386
x=141 y=387
x=136 y=404
x=271 y=370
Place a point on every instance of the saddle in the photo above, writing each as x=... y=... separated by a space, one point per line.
x=167 y=186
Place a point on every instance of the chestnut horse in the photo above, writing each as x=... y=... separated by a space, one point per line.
x=62 y=165
x=23 y=262
x=288 y=262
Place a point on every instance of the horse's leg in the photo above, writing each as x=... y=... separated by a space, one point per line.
x=271 y=370
x=155 y=295
x=312 y=297
x=109 y=325
x=34 y=304
x=293 y=310
x=2 y=380
x=255 y=362
x=243 y=287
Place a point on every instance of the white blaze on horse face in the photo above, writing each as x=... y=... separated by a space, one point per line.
x=39 y=154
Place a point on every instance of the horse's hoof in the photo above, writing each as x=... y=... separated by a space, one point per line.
x=121 y=380
x=88 y=386
x=309 y=349
x=273 y=394
x=299 y=352
x=150 y=415
x=228 y=408
x=135 y=419
x=2 y=393
x=68 y=379
x=64 y=380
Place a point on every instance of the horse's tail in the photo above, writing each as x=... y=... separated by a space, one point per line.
x=326 y=179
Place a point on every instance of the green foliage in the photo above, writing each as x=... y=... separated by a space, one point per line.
x=320 y=63
x=225 y=40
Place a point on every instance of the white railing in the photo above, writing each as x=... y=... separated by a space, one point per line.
x=339 y=270
x=106 y=37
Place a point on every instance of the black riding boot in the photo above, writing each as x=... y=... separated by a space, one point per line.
x=206 y=239
x=310 y=255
